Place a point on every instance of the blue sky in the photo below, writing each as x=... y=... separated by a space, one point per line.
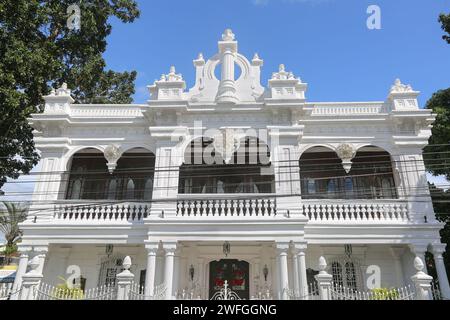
x=325 y=42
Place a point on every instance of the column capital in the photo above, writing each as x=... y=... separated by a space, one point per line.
x=282 y=247
x=438 y=248
x=152 y=247
x=298 y=248
x=418 y=248
x=24 y=249
x=169 y=247
x=40 y=249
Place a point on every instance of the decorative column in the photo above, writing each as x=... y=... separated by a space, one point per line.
x=176 y=272
x=303 y=282
x=437 y=250
x=41 y=253
x=21 y=269
x=150 y=273
x=282 y=252
x=422 y=281
x=285 y=153
x=324 y=280
x=228 y=49
x=31 y=281
x=169 y=249
x=165 y=186
x=125 y=280
x=295 y=270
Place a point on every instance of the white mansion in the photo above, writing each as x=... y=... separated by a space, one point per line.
x=232 y=181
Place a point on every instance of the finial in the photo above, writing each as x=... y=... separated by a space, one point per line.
x=228 y=35
x=256 y=56
x=281 y=68
x=200 y=56
x=172 y=70
x=322 y=264
x=418 y=264
x=397 y=82
x=126 y=263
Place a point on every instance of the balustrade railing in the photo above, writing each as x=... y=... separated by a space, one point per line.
x=349 y=109
x=226 y=207
x=355 y=211
x=102 y=212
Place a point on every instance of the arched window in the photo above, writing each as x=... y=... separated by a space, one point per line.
x=311 y=186
x=112 y=189
x=348 y=187
x=387 y=188
x=76 y=189
x=109 y=267
x=350 y=275
x=129 y=194
x=205 y=171
x=148 y=189
x=336 y=271
x=331 y=188
x=346 y=273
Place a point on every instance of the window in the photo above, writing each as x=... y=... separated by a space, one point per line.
x=336 y=270
x=130 y=189
x=112 y=189
x=76 y=189
x=331 y=188
x=350 y=275
x=148 y=189
x=109 y=268
x=345 y=272
x=311 y=186
x=348 y=186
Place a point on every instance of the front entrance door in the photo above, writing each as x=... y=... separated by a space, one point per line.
x=236 y=272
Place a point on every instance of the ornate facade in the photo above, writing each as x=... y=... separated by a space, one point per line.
x=232 y=180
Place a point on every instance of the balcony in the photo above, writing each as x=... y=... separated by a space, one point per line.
x=355 y=211
x=226 y=205
x=97 y=212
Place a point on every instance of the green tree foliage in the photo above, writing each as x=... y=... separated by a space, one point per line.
x=437 y=154
x=442 y=209
x=38 y=51
x=444 y=19
x=10 y=217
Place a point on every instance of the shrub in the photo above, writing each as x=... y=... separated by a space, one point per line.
x=384 y=294
x=62 y=291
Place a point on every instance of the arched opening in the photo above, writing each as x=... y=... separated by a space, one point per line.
x=321 y=173
x=131 y=180
x=370 y=177
x=246 y=172
x=372 y=174
x=88 y=175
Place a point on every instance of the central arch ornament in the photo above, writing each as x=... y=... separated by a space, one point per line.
x=225 y=142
